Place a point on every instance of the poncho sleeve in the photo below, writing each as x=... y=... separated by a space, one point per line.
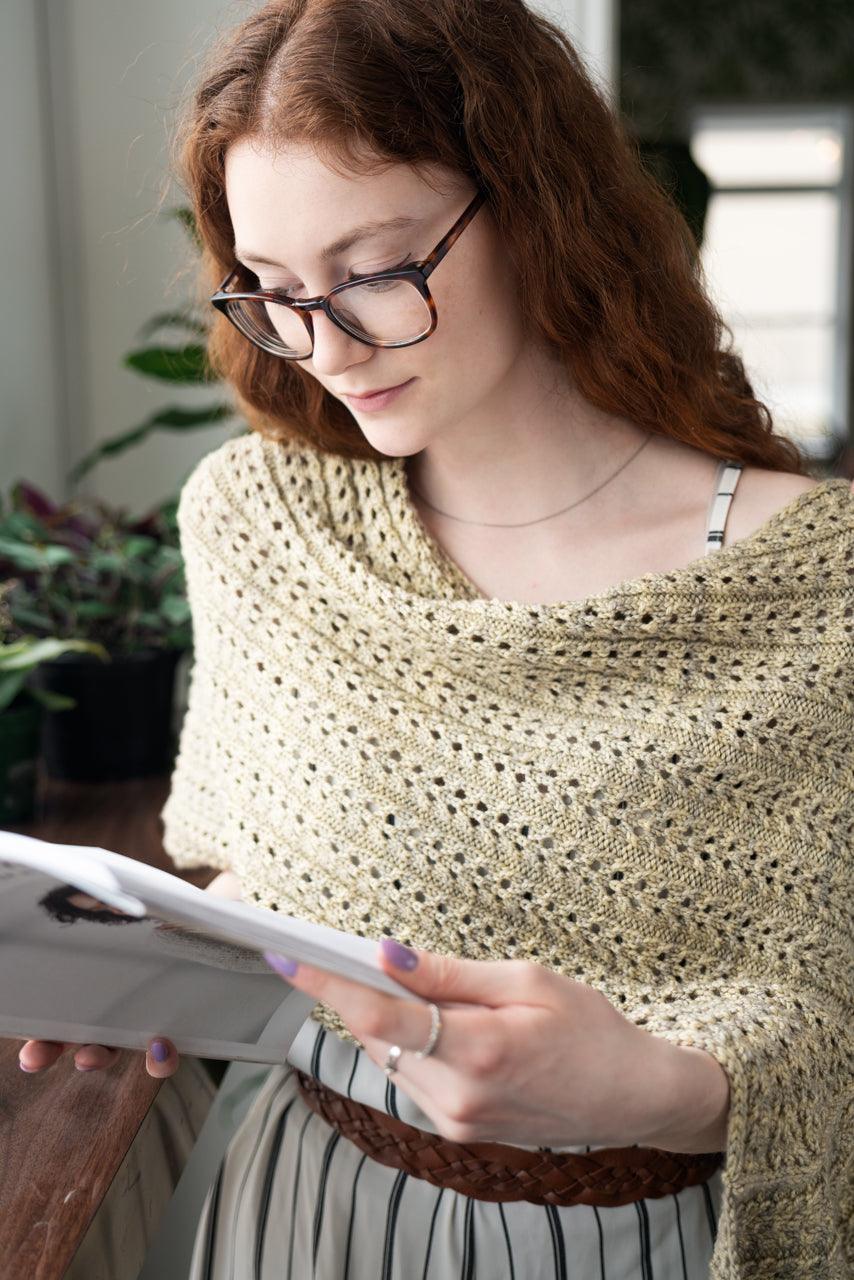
x=195 y=826
x=787 y=1047
x=788 y=1205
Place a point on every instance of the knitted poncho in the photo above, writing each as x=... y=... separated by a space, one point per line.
x=648 y=790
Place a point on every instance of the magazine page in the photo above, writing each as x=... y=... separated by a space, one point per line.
x=98 y=948
x=73 y=968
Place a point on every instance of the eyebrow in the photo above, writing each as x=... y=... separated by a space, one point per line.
x=343 y=243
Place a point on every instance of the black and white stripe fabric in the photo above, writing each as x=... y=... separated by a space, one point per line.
x=293 y=1200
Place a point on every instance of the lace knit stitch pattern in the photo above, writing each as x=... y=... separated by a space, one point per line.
x=648 y=790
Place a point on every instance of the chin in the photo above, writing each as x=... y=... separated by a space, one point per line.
x=394 y=440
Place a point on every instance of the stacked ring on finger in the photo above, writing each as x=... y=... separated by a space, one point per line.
x=390 y=1064
x=392 y=1060
x=435 y=1028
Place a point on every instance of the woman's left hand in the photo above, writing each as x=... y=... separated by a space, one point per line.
x=525 y=1055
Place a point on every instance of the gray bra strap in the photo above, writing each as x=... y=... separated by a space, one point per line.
x=727 y=478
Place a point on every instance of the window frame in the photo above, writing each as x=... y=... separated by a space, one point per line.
x=839 y=117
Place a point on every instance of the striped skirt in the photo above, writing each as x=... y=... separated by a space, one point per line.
x=294 y=1200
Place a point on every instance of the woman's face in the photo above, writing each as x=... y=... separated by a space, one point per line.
x=288 y=206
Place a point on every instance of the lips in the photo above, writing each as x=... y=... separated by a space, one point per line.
x=360 y=395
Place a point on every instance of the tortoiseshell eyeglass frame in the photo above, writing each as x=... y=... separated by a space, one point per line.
x=416 y=272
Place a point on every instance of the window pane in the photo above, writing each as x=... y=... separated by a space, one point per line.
x=768 y=155
x=791 y=369
x=772 y=258
x=773 y=254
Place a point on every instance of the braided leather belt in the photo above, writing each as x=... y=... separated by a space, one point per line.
x=496 y=1171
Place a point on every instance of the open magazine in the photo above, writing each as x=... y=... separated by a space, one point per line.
x=98 y=948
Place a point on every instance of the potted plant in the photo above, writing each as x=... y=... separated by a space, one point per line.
x=84 y=571
x=21 y=708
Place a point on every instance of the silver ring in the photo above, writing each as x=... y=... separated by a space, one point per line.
x=392 y=1060
x=435 y=1028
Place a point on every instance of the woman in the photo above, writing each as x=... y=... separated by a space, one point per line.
x=466 y=680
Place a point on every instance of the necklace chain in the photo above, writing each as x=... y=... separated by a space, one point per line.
x=489 y=524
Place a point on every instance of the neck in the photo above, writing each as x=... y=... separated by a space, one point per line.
x=522 y=461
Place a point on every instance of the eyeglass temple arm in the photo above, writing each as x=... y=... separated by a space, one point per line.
x=431 y=262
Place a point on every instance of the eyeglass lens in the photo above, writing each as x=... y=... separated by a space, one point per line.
x=383 y=311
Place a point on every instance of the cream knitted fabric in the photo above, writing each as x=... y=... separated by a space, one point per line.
x=649 y=790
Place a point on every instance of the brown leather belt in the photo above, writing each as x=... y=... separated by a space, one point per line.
x=496 y=1171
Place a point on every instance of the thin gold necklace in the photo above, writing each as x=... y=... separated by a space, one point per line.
x=490 y=524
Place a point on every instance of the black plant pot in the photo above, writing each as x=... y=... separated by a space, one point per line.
x=122 y=725
x=19 y=750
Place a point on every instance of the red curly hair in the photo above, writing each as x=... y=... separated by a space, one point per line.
x=609 y=271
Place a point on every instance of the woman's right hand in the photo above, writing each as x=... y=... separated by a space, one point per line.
x=38 y=1055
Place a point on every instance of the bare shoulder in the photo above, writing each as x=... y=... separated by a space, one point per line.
x=760 y=494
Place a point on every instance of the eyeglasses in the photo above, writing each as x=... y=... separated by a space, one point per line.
x=391 y=308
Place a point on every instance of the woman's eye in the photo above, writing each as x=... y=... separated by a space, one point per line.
x=372 y=271
x=291 y=290
x=275 y=285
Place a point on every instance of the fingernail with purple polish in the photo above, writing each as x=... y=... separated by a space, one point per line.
x=159 y=1051
x=399 y=955
x=282 y=964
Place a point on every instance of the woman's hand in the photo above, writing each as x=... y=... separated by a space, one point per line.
x=525 y=1055
x=38 y=1055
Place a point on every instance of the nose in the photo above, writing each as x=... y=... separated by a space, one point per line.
x=334 y=349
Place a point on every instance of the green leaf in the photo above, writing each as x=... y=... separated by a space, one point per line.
x=175 y=609
x=183 y=419
x=172 y=364
x=25 y=556
x=10 y=687
x=22 y=526
x=149 y=618
x=8 y=652
x=96 y=609
x=139 y=545
x=26 y=654
x=184 y=215
x=26 y=619
x=108 y=562
x=52 y=700
x=172 y=419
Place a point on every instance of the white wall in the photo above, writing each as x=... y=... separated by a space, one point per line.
x=31 y=373
x=91 y=93
x=592 y=26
